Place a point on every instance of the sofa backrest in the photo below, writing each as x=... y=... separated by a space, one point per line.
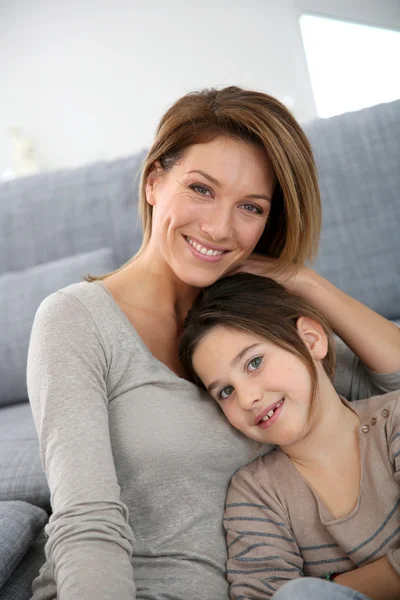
x=54 y=229
x=358 y=158
x=63 y=213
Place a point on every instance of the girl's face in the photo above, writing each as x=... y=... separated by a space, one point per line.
x=264 y=390
x=210 y=209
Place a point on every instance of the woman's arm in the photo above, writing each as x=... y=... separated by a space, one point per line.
x=374 y=339
x=90 y=541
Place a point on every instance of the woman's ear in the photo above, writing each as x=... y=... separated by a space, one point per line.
x=152 y=181
x=313 y=336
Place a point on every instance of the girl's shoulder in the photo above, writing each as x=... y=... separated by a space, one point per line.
x=267 y=471
x=384 y=407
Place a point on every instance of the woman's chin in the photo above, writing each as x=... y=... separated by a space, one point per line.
x=198 y=277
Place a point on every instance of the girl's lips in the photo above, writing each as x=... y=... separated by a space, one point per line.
x=205 y=257
x=271 y=420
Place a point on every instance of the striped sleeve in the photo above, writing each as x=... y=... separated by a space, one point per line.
x=394 y=454
x=262 y=553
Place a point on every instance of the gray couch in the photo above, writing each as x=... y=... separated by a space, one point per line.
x=56 y=227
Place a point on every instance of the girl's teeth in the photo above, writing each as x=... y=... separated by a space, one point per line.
x=271 y=412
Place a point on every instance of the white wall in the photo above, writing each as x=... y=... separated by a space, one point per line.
x=89 y=80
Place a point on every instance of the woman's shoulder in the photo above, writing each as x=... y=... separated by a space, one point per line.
x=78 y=304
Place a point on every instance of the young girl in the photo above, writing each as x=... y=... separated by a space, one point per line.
x=325 y=503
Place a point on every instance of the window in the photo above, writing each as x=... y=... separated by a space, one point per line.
x=351 y=66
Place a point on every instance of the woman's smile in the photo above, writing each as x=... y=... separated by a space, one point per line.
x=203 y=251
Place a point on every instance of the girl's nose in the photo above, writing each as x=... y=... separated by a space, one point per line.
x=248 y=397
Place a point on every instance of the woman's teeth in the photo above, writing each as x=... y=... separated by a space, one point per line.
x=271 y=412
x=203 y=249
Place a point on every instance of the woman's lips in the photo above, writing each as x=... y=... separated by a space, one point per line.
x=206 y=257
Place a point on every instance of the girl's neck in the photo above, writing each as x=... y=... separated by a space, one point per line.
x=333 y=430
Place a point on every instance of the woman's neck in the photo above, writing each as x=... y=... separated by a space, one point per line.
x=149 y=283
x=331 y=434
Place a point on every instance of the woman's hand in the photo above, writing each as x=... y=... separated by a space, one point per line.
x=374 y=339
x=293 y=277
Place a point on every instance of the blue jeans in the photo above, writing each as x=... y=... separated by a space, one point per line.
x=311 y=588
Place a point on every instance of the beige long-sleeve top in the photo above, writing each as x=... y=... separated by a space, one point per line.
x=277 y=529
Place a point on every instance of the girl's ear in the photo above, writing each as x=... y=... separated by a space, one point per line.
x=313 y=336
x=152 y=181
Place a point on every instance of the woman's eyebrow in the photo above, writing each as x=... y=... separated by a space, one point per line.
x=234 y=361
x=218 y=184
x=207 y=176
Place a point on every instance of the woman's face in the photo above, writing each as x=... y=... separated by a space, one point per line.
x=210 y=209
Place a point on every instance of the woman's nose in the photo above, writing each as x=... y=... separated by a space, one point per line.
x=219 y=225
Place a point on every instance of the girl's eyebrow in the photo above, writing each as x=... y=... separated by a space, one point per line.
x=218 y=184
x=233 y=362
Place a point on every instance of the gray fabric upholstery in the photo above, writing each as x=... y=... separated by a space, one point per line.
x=19 y=585
x=63 y=213
x=20 y=525
x=21 y=472
x=358 y=158
x=20 y=295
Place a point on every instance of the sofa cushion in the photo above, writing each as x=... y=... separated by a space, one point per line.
x=21 y=472
x=20 y=525
x=19 y=585
x=62 y=213
x=359 y=171
x=20 y=296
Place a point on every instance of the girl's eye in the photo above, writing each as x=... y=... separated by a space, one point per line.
x=225 y=392
x=254 y=364
x=253 y=208
x=203 y=190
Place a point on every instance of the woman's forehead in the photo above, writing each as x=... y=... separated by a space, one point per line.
x=228 y=161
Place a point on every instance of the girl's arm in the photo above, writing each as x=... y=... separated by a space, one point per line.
x=262 y=553
x=377 y=580
x=380 y=580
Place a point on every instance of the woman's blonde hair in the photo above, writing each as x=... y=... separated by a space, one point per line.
x=293 y=227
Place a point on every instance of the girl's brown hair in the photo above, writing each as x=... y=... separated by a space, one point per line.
x=257 y=305
x=293 y=227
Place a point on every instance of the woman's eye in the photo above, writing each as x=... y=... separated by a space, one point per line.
x=254 y=364
x=225 y=392
x=253 y=208
x=203 y=190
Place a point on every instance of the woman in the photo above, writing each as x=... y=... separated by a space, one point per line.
x=138 y=459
